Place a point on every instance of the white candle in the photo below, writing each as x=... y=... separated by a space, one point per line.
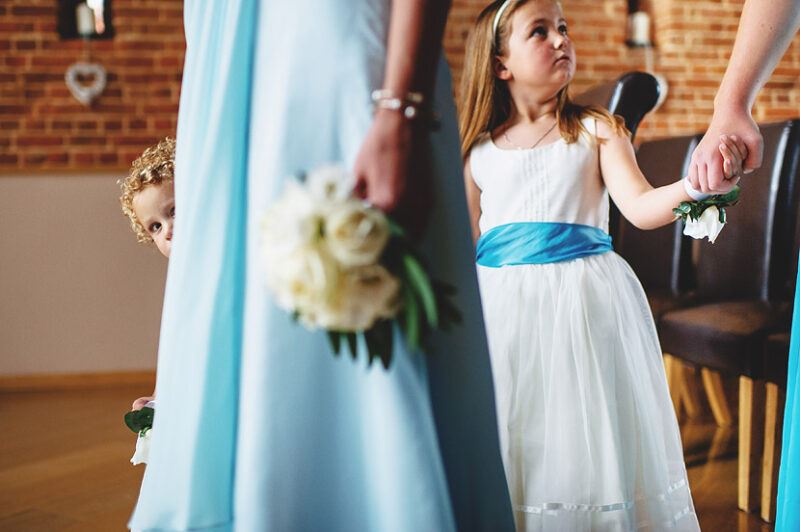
x=85 y=18
x=640 y=28
x=97 y=9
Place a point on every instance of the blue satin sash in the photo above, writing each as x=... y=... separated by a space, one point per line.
x=539 y=243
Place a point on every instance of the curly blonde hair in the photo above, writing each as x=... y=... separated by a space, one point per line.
x=155 y=166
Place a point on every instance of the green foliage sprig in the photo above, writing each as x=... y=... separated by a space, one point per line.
x=426 y=305
x=140 y=421
x=694 y=209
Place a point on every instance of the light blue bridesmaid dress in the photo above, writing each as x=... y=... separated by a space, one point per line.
x=258 y=426
x=788 y=507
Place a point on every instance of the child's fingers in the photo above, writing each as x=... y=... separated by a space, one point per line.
x=727 y=154
x=733 y=148
x=740 y=145
x=731 y=165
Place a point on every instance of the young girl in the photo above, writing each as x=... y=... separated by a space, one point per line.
x=588 y=435
x=148 y=201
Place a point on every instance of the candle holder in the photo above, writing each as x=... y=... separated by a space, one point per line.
x=67 y=21
x=89 y=21
x=639 y=30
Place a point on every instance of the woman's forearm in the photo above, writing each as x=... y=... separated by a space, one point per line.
x=414 y=43
x=765 y=30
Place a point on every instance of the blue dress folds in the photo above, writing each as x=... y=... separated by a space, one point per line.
x=788 y=507
x=259 y=426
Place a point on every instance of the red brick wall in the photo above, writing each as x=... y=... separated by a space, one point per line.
x=693 y=40
x=43 y=127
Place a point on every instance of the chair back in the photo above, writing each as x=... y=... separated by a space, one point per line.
x=635 y=95
x=787 y=231
x=750 y=259
x=659 y=257
x=631 y=96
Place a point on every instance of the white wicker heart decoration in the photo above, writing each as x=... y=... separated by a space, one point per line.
x=85 y=94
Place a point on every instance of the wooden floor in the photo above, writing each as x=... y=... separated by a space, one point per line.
x=64 y=465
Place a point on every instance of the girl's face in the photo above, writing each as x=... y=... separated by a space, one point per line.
x=539 y=55
x=154 y=206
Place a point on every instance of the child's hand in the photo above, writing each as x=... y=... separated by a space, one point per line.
x=142 y=401
x=734 y=153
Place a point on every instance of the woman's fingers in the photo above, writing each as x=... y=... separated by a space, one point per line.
x=702 y=178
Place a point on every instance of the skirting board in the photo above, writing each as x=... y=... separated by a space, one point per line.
x=76 y=381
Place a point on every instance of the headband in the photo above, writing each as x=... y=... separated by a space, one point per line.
x=498 y=15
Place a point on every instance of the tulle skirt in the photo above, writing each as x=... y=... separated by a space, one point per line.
x=588 y=435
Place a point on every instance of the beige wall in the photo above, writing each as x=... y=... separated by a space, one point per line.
x=77 y=293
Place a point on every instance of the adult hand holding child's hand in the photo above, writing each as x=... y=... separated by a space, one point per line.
x=706 y=172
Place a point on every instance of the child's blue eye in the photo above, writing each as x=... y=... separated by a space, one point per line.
x=155 y=227
x=563 y=29
x=539 y=30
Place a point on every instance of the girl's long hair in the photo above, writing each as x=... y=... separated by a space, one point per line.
x=484 y=100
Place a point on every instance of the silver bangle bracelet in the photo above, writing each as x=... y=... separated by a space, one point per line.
x=409 y=103
x=409 y=110
x=416 y=98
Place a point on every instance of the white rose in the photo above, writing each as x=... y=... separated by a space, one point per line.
x=293 y=221
x=330 y=183
x=355 y=233
x=304 y=280
x=365 y=295
x=142 y=453
x=708 y=225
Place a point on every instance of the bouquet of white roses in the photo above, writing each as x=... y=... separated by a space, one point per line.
x=338 y=264
x=706 y=217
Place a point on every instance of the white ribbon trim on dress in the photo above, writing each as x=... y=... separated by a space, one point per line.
x=552 y=507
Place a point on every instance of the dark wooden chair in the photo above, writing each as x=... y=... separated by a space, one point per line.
x=774 y=371
x=656 y=255
x=741 y=280
x=660 y=257
x=775 y=366
x=631 y=96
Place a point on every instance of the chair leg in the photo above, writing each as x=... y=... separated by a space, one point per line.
x=773 y=425
x=712 y=382
x=690 y=395
x=720 y=442
x=751 y=441
x=673 y=367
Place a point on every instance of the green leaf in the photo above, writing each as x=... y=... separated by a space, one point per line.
x=731 y=197
x=410 y=318
x=395 y=228
x=722 y=215
x=335 y=339
x=422 y=285
x=449 y=314
x=139 y=420
x=379 y=342
x=352 y=343
x=445 y=289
